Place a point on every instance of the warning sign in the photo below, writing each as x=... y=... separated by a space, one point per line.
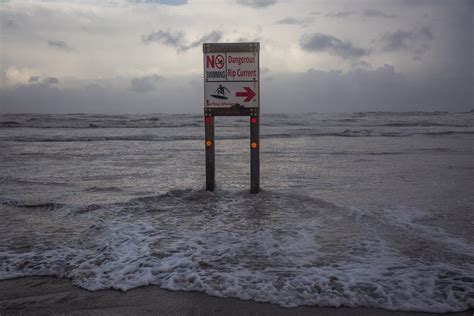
x=231 y=74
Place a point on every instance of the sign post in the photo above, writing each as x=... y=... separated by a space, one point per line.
x=210 y=153
x=232 y=88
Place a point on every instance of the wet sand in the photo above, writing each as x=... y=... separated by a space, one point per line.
x=48 y=295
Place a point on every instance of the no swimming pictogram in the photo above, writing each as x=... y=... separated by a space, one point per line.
x=220 y=61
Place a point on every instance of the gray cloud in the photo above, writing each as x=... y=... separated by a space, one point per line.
x=415 y=41
x=166 y=2
x=144 y=84
x=420 y=2
x=59 y=45
x=342 y=14
x=318 y=42
x=367 y=13
x=9 y=25
x=33 y=79
x=8 y=21
x=257 y=3
x=397 y=40
x=291 y=21
x=361 y=64
x=377 y=14
x=402 y=39
x=168 y=38
x=50 y=80
x=177 y=39
x=214 y=36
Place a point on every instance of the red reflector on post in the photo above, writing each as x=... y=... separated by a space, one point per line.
x=253 y=120
x=208 y=120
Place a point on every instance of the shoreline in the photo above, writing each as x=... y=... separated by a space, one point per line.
x=43 y=295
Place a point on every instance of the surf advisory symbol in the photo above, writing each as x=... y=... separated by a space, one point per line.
x=220 y=92
x=231 y=75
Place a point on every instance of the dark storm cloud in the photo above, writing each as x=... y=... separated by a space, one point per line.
x=59 y=45
x=291 y=21
x=318 y=42
x=415 y=41
x=44 y=98
x=257 y=3
x=103 y=97
x=372 y=13
x=177 y=39
x=50 y=80
x=381 y=89
x=166 y=2
x=145 y=84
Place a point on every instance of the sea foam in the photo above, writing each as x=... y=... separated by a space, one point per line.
x=229 y=244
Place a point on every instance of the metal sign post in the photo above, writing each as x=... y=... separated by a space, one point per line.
x=232 y=88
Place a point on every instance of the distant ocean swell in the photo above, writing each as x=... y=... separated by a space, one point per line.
x=151 y=137
x=145 y=124
x=367 y=119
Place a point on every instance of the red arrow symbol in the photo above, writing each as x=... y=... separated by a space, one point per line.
x=248 y=93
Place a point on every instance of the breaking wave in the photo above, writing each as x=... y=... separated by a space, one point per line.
x=232 y=244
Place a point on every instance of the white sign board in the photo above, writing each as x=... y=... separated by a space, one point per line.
x=231 y=78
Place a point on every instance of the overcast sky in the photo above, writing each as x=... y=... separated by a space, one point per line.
x=119 y=56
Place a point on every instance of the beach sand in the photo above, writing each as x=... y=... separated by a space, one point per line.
x=48 y=295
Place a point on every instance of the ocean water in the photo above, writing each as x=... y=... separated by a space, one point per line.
x=357 y=209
